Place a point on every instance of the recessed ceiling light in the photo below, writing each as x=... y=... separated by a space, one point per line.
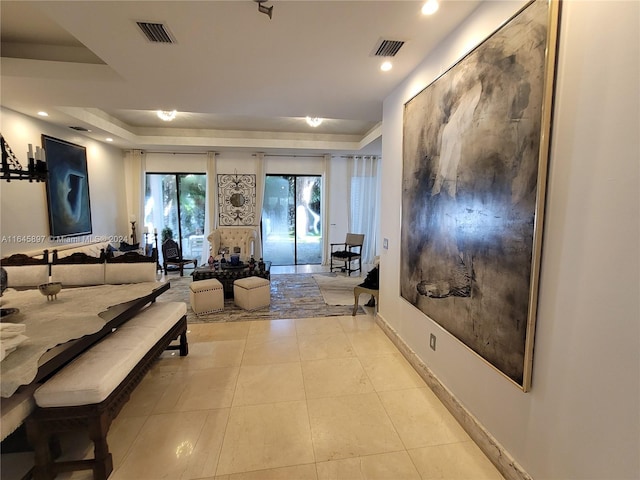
x=43 y=114
x=386 y=66
x=109 y=139
x=314 y=121
x=430 y=7
x=166 y=115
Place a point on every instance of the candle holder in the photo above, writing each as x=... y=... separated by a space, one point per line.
x=12 y=169
x=155 y=238
x=133 y=232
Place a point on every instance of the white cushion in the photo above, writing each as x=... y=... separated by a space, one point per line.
x=161 y=315
x=116 y=273
x=249 y=283
x=15 y=409
x=119 y=253
x=91 y=249
x=78 y=275
x=89 y=379
x=158 y=318
x=92 y=376
x=27 y=275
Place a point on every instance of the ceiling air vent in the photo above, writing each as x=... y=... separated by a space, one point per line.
x=387 y=48
x=156 y=32
x=79 y=129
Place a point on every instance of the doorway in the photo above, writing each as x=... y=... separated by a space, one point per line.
x=175 y=206
x=292 y=220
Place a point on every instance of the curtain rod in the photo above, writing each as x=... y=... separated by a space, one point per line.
x=266 y=154
x=318 y=156
x=288 y=155
x=175 y=153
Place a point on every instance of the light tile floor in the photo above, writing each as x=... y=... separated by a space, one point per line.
x=321 y=398
x=317 y=399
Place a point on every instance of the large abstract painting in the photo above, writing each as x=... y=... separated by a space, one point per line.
x=237 y=199
x=475 y=147
x=67 y=188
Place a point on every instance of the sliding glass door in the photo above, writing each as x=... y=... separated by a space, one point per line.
x=292 y=220
x=174 y=206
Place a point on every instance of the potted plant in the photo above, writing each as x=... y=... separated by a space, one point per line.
x=167 y=234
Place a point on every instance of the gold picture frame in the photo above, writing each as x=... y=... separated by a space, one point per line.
x=475 y=152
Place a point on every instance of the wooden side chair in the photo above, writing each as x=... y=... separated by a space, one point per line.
x=348 y=252
x=172 y=256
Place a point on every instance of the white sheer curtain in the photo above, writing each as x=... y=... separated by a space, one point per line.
x=260 y=182
x=326 y=181
x=364 y=201
x=211 y=204
x=134 y=180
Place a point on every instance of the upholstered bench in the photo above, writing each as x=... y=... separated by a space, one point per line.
x=252 y=293
x=206 y=296
x=89 y=392
x=15 y=409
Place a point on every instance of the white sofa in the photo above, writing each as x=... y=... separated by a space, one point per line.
x=92 y=249
x=80 y=274
x=246 y=238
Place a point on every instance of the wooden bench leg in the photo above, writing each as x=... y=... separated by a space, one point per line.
x=43 y=468
x=103 y=460
x=184 y=345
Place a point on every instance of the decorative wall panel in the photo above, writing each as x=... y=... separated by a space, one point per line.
x=237 y=200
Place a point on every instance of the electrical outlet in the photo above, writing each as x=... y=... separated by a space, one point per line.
x=432 y=341
x=385 y=244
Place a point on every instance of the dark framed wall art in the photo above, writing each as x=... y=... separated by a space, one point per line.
x=475 y=149
x=67 y=188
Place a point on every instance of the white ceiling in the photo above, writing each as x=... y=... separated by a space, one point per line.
x=238 y=79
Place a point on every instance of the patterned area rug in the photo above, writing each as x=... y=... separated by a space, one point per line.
x=292 y=296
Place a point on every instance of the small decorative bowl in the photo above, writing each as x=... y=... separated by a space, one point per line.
x=51 y=289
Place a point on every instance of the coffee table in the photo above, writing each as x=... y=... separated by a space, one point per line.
x=226 y=276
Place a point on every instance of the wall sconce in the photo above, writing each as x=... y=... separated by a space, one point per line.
x=12 y=169
x=263 y=8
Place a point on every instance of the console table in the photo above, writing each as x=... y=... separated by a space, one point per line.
x=227 y=276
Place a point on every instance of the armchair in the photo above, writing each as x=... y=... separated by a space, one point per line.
x=347 y=252
x=245 y=238
x=172 y=256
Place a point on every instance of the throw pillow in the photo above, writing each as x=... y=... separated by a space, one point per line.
x=125 y=247
x=373 y=279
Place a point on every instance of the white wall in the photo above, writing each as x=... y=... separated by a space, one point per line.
x=175 y=163
x=581 y=418
x=23 y=212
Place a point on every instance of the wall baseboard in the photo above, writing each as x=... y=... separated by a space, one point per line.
x=495 y=452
